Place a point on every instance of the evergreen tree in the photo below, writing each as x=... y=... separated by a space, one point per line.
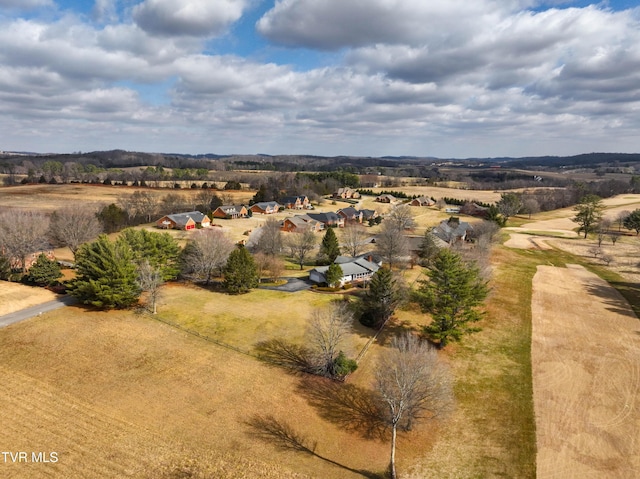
x=588 y=213
x=5 y=267
x=240 y=273
x=112 y=217
x=632 y=222
x=333 y=275
x=106 y=275
x=381 y=299
x=160 y=250
x=329 y=248
x=428 y=248
x=452 y=294
x=44 y=271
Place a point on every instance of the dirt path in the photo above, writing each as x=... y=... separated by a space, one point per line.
x=586 y=377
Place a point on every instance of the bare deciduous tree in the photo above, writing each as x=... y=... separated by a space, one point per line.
x=269 y=267
x=206 y=254
x=401 y=217
x=620 y=217
x=391 y=244
x=530 y=206
x=354 y=236
x=301 y=245
x=146 y=204
x=270 y=240
x=73 y=226
x=150 y=280
x=327 y=330
x=413 y=385
x=22 y=233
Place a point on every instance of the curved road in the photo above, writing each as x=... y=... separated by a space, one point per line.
x=36 y=310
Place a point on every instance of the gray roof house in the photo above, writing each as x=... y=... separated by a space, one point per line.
x=452 y=230
x=353 y=270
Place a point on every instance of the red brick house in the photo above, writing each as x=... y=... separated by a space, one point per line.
x=265 y=207
x=295 y=202
x=184 y=221
x=230 y=212
x=301 y=223
x=422 y=201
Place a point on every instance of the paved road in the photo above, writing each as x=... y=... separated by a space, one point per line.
x=32 y=311
x=292 y=285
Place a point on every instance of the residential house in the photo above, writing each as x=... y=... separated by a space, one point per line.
x=452 y=230
x=354 y=270
x=369 y=214
x=184 y=221
x=422 y=201
x=230 y=212
x=16 y=263
x=350 y=215
x=386 y=199
x=329 y=219
x=265 y=207
x=346 y=193
x=300 y=223
x=295 y=202
x=474 y=209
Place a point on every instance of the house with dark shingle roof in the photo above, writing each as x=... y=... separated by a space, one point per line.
x=184 y=221
x=452 y=230
x=328 y=219
x=350 y=214
x=265 y=207
x=422 y=201
x=230 y=212
x=301 y=223
x=295 y=202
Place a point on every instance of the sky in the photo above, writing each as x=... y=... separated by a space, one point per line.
x=438 y=78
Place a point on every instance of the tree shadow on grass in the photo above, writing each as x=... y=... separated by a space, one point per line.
x=615 y=303
x=285 y=354
x=283 y=436
x=352 y=408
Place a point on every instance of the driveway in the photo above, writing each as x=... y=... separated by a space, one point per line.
x=36 y=310
x=292 y=285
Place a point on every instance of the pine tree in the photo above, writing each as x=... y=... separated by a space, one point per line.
x=381 y=299
x=452 y=294
x=240 y=273
x=632 y=221
x=333 y=275
x=588 y=213
x=329 y=248
x=44 y=271
x=160 y=250
x=428 y=248
x=106 y=275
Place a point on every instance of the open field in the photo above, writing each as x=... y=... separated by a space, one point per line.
x=120 y=395
x=15 y=296
x=123 y=395
x=586 y=372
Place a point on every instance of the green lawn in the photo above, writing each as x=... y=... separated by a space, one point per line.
x=242 y=321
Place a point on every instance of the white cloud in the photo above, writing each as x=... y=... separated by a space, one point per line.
x=25 y=4
x=104 y=11
x=187 y=17
x=415 y=77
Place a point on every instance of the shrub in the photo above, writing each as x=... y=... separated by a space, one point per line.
x=343 y=365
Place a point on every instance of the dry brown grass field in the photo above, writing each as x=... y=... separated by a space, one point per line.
x=15 y=296
x=586 y=357
x=118 y=394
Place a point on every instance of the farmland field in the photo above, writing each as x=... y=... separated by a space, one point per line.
x=119 y=394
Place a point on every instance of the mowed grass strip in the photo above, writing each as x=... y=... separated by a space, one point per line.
x=491 y=433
